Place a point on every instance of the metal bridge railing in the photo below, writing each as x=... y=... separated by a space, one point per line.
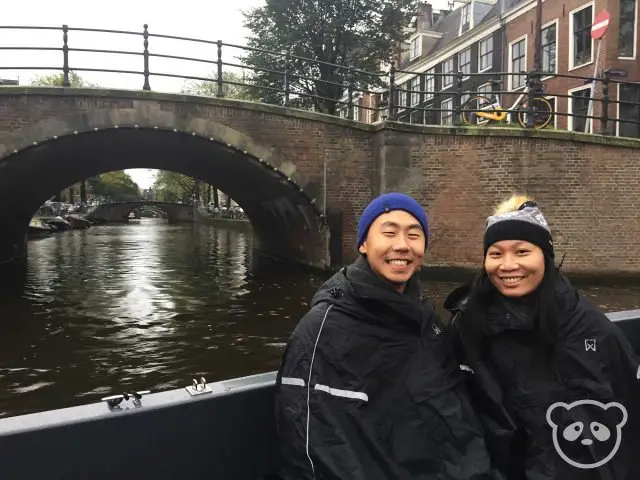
x=340 y=89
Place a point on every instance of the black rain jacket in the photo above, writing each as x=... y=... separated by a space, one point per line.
x=369 y=389
x=575 y=418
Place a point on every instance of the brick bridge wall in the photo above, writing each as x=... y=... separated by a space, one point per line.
x=587 y=185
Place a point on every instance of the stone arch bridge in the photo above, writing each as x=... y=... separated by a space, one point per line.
x=119 y=211
x=303 y=178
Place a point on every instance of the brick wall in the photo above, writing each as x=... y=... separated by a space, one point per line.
x=525 y=24
x=586 y=185
x=587 y=191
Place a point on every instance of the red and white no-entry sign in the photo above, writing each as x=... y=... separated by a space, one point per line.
x=600 y=24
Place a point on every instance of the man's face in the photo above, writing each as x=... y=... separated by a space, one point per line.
x=395 y=246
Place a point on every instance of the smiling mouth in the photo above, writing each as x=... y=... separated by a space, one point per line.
x=512 y=280
x=399 y=262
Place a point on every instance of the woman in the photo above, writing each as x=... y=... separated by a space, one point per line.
x=554 y=381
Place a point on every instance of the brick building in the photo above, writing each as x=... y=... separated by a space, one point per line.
x=492 y=36
x=568 y=49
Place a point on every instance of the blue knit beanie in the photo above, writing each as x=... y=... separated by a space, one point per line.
x=386 y=203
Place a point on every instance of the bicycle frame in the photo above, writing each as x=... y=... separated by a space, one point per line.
x=496 y=112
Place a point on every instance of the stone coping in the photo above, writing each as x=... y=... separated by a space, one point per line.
x=545 y=134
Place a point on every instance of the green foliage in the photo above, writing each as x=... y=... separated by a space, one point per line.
x=210 y=88
x=117 y=186
x=174 y=187
x=349 y=33
x=56 y=80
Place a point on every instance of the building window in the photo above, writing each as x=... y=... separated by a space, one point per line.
x=627 y=32
x=465 y=18
x=486 y=54
x=517 y=63
x=552 y=101
x=402 y=95
x=464 y=62
x=356 y=110
x=629 y=111
x=414 y=48
x=579 y=104
x=447 y=70
x=417 y=117
x=581 y=46
x=429 y=85
x=549 y=45
x=446 y=114
x=369 y=112
x=415 y=90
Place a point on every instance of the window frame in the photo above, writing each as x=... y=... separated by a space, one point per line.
x=511 y=79
x=572 y=13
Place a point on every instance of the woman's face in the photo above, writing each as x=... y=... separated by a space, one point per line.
x=514 y=267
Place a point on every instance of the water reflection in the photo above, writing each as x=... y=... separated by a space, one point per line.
x=150 y=306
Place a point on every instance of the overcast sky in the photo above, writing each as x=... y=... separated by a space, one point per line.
x=209 y=20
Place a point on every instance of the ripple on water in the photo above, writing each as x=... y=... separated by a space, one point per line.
x=151 y=306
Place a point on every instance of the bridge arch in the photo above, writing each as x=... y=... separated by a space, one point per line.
x=48 y=155
x=119 y=211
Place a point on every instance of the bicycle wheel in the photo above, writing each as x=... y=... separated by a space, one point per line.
x=542 y=113
x=468 y=114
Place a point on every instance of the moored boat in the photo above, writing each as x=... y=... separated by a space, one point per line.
x=38 y=229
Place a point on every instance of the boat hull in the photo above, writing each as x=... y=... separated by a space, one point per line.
x=227 y=434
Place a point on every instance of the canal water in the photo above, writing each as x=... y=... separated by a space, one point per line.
x=150 y=306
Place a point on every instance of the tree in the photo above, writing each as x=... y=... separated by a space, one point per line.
x=210 y=88
x=174 y=187
x=350 y=33
x=117 y=186
x=57 y=80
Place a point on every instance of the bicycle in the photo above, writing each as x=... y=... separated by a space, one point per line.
x=483 y=110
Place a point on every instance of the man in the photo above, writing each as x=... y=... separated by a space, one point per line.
x=368 y=388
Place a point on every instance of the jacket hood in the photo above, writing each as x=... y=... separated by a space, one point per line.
x=567 y=300
x=357 y=290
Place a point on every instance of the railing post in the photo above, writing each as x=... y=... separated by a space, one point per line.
x=392 y=92
x=145 y=35
x=65 y=56
x=604 y=117
x=533 y=81
x=286 y=79
x=350 y=93
x=220 y=92
x=458 y=109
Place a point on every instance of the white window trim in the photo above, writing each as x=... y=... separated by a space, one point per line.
x=635 y=36
x=510 y=64
x=617 y=120
x=466 y=77
x=418 y=50
x=413 y=104
x=570 y=109
x=557 y=22
x=429 y=96
x=470 y=5
x=593 y=46
x=555 y=109
x=465 y=41
x=618 y=111
x=402 y=106
x=445 y=75
x=448 y=100
x=480 y=54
